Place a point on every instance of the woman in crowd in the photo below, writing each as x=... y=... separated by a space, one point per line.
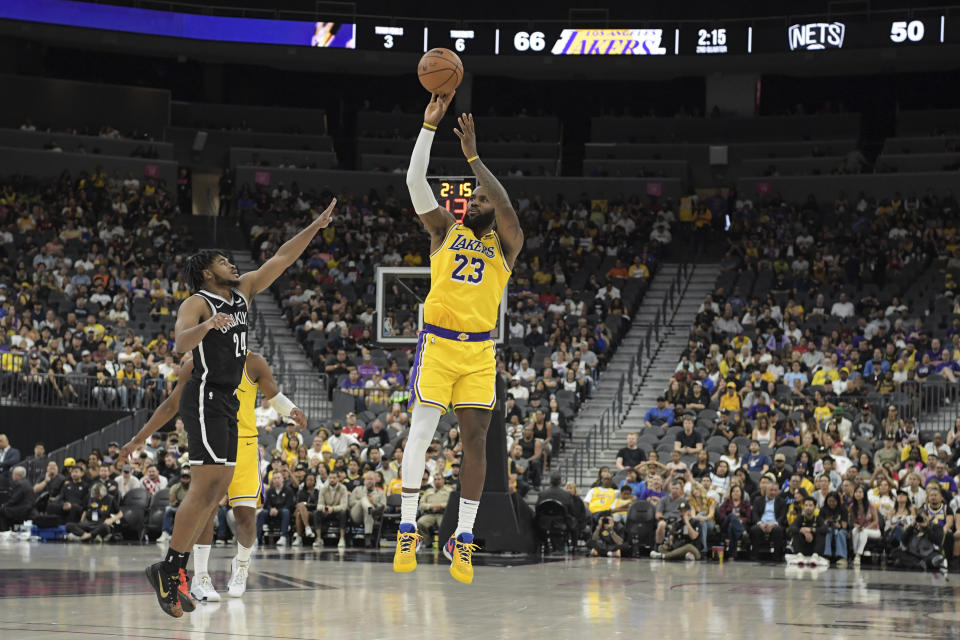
x=864 y=523
x=882 y=498
x=900 y=519
x=704 y=508
x=734 y=516
x=732 y=456
x=833 y=515
x=762 y=433
x=720 y=479
x=307 y=498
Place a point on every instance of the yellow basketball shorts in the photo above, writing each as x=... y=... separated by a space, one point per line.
x=245 y=489
x=453 y=372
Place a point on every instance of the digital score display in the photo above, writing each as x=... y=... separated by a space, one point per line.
x=892 y=29
x=454 y=193
x=735 y=37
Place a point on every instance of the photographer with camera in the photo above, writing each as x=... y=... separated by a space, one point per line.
x=923 y=546
x=681 y=536
x=669 y=508
x=606 y=541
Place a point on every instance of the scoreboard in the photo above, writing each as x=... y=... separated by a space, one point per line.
x=690 y=38
x=887 y=29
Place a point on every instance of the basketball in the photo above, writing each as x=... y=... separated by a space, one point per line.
x=440 y=71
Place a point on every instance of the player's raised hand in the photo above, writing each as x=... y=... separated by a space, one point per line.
x=437 y=107
x=467 y=134
x=324 y=220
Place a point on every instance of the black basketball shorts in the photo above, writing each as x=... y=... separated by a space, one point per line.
x=210 y=419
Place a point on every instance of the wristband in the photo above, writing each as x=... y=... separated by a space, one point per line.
x=429 y=126
x=282 y=404
x=473 y=158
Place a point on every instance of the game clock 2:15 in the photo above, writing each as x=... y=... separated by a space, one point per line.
x=455 y=196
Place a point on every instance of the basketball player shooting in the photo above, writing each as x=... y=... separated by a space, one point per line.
x=455 y=361
x=212 y=323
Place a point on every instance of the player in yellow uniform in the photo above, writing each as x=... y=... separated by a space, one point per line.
x=455 y=361
x=245 y=490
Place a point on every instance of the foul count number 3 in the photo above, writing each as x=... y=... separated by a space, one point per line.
x=475 y=277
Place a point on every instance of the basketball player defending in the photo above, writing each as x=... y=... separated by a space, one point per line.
x=245 y=491
x=455 y=361
x=212 y=323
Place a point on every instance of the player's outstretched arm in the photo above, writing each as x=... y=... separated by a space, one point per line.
x=508 y=223
x=162 y=415
x=256 y=281
x=435 y=218
x=259 y=372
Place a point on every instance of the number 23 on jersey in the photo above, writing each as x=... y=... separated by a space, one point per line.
x=468 y=269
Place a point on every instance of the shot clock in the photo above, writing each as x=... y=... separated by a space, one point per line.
x=454 y=193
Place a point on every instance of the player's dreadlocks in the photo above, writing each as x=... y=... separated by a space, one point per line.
x=193 y=271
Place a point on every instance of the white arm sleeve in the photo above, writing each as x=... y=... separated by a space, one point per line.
x=282 y=404
x=420 y=194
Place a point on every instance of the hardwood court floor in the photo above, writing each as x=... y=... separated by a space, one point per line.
x=85 y=591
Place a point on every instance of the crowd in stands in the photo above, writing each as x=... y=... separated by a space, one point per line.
x=90 y=278
x=105 y=131
x=795 y=421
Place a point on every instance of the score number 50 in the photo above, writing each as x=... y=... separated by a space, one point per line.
x=903 y=31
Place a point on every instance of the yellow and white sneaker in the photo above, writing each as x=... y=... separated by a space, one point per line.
x=408 y=543
x=459 y=552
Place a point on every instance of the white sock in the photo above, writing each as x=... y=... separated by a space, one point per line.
x=243 y=553
x=468 y=513
x=201 y=554
x=409 y=501
x=423 y=426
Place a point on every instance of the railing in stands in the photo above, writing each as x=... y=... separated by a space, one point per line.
x=120 y=431
x=79 y=391
x=586 y=453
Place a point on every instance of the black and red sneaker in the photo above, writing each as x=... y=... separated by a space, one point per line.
x=186 y=600
x=166 y=584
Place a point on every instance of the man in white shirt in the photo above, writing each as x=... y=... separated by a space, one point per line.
x=526 y=373
x=661 y=234
x=842 y=308
x=340 y=442
x=316 y=449
x=267 y=417
x=936 y=446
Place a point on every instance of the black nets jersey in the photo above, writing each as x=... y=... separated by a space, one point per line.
x=219 y=358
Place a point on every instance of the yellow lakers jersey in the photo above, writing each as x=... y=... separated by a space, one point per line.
x=467 y=280
x=246 y=416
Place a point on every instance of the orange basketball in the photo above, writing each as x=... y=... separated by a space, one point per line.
x=440 y=71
